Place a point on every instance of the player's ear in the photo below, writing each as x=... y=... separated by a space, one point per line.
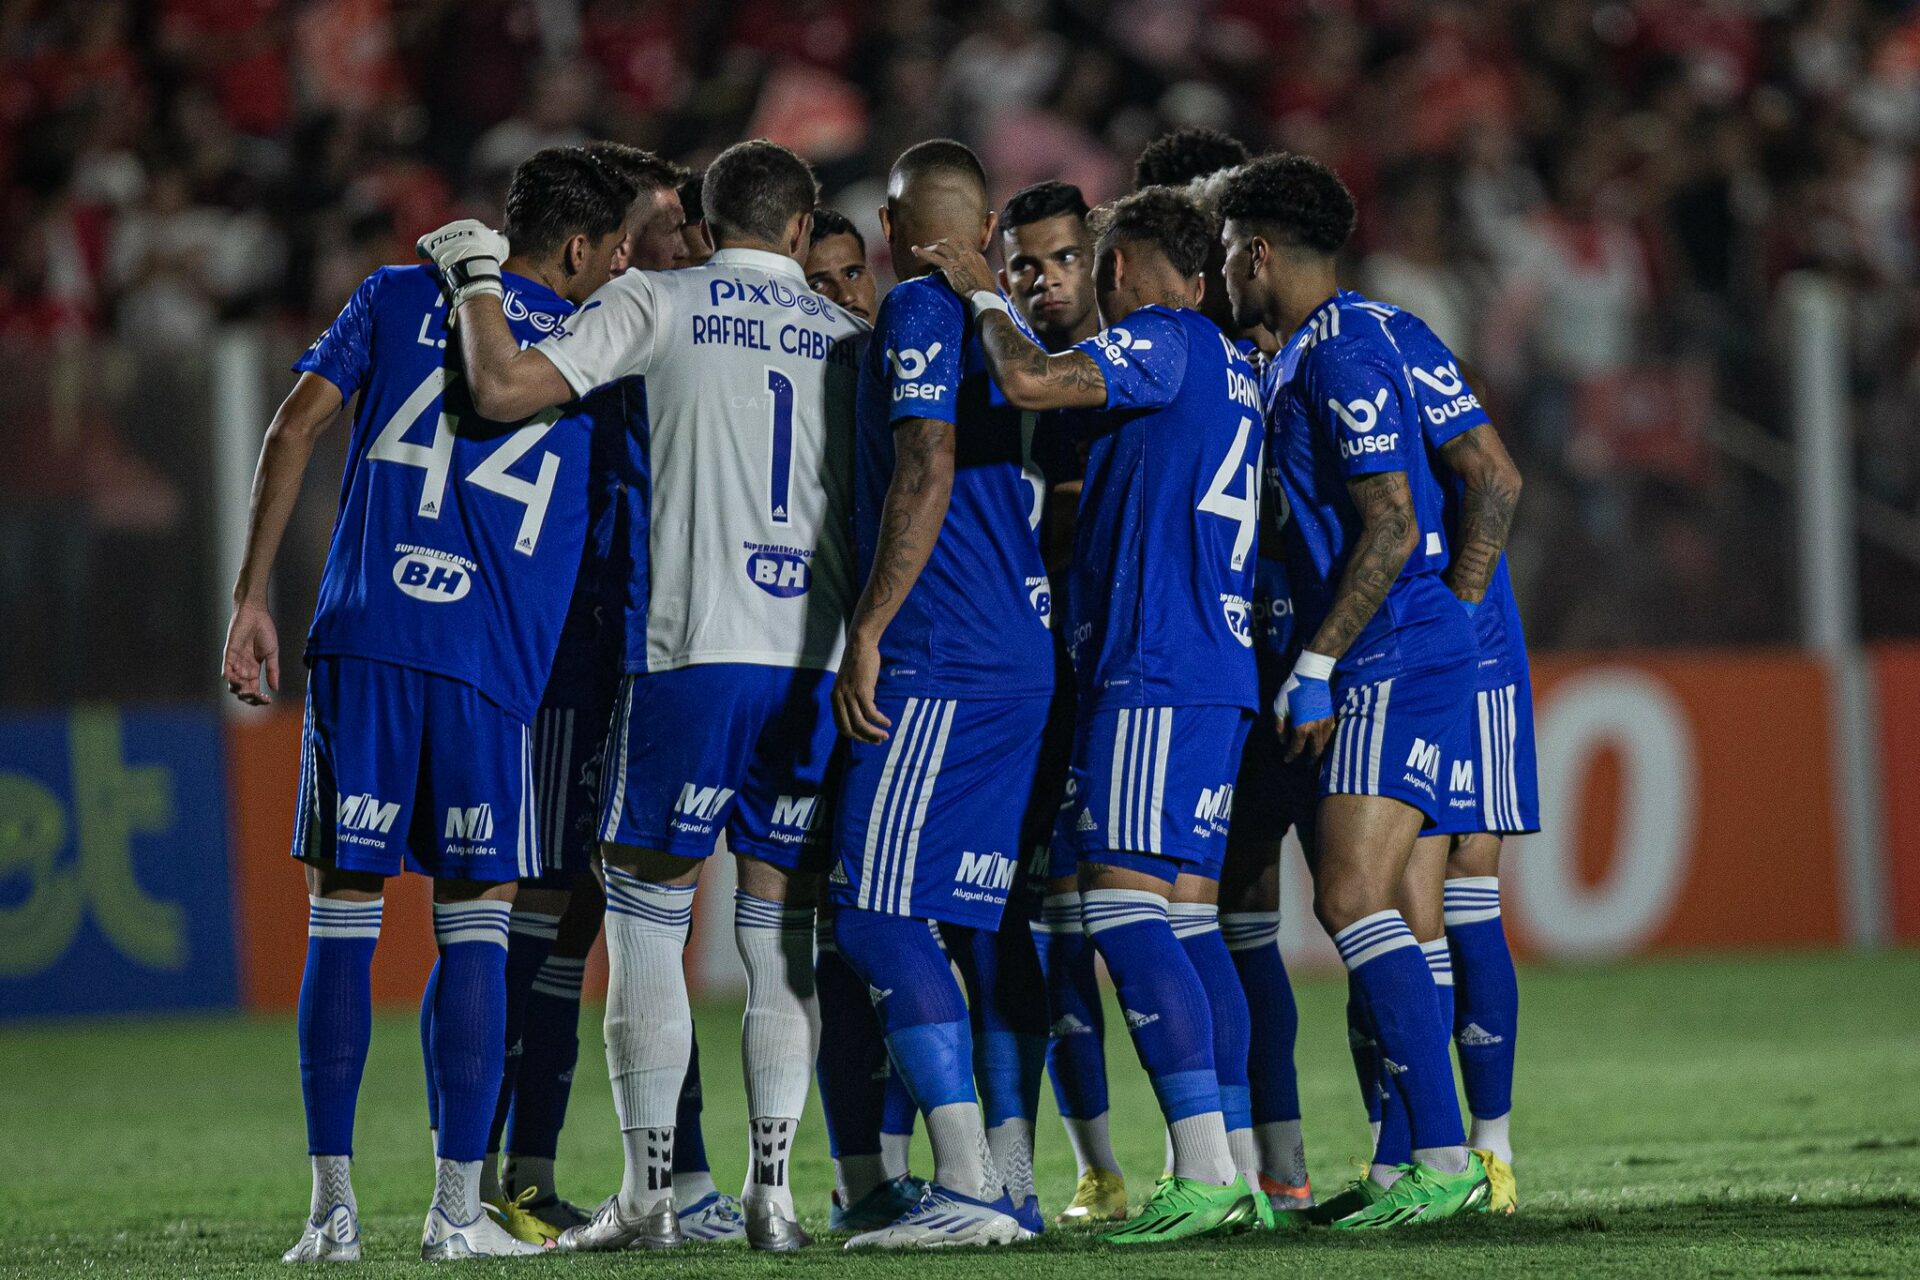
x=573 y=254
x=987 y=230
x=1196 y=290
x=886 y=224
x=1006 y=286
x=799 y=233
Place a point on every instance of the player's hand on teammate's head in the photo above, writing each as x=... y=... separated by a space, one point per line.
x=251 y=664
x=966 y=270
x=855 y=713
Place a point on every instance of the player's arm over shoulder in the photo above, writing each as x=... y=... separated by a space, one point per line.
x=1030 y=378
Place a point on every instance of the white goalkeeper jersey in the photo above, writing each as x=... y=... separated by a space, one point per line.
x=744 y=430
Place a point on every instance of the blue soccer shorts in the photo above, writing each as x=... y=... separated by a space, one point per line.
x=406 y=769
x=1503 y=781
x=928 y=823
x=722 y=746
x=1406 y=737
x=569 y=747
x=1151 y=788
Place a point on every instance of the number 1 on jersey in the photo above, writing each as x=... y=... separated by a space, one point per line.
x=780 y=470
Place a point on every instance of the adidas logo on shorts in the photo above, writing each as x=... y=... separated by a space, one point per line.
x=1086 y=822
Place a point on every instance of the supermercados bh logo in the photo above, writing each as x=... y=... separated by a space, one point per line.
x=909 y=366
x=1040 y=596
x=437 y=577
x=779 y=571
x=1238 y=611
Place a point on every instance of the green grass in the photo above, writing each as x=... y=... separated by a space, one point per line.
x=1749 y=1117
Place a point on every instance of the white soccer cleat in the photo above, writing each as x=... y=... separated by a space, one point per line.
x=608 y=1230
x=714 y=1216
x=444 y=1240
x=334 y=1238
x=946 y=1219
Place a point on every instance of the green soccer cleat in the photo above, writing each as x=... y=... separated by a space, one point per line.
x=1359 y=1194
x=1424 y=1194
x=1183 y=1209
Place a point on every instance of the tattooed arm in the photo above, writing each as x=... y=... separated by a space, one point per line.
x=1389 y=533
x=1026 y=374
x=910 y=520
x=1486 y=513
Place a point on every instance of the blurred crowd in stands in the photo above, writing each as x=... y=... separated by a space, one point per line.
x=1594 y=203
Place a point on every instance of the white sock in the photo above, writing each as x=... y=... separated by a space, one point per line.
x=779 y=1037
x=456 y=1190
x=770 y=1152
x=896 y=1151
x=1445 y=1159
x=649 y=1026
x=1491 y=1135
x=1200 y=1149
x=1384 y=1174
x=332 y=1185
x=1246 y=1156
x=649 y=1170
x=962 y=1161
x=855 y=1177
x=1373 y=1127
x=692 y=1187
x=1166 y=1163
x=1011 y=1144
x=1092 y=1144
x=517 y=1173
x=1283 y=1154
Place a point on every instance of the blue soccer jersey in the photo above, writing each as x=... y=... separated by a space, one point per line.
x=458 y=539
x=1448 y=408
x=1163 y=556
x=1348 y=410
x=975 y=623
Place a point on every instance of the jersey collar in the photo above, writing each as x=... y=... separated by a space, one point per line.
x=532 y=290
x=778 y=264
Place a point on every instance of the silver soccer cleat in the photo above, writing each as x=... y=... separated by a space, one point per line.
x=658 y=1228
x=772 y=1231
x=444 y=1240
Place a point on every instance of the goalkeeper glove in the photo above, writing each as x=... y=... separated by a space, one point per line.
x=467 y=254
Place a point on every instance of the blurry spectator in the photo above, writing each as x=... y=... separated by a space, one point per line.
x=1420 y=264
x=1010 y=63
x=553 y=116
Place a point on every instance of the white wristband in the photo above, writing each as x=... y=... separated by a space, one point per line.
x=1313 y=666
x=985 y=300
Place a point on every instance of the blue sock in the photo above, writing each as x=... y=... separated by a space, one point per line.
x=1009 y=1013
x=897 y=1107
x=530 y=937
x=550 y=1049
x=853 y=1054
x=469 y=1021
x=1486 y=997
x=1253 y=941
x=1076 y=1049
x=1161 y=995
x=336 y=1017
x=689 y=1141
x=917 y=1000
x=1398 y=1000
x=427 y=997
x=1197 y=926
x=1440 y=965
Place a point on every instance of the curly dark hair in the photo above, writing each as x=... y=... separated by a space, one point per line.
x=831 y=222
x=1041 y=201
x=754 y=189
x=1295 y=199
x=1162 y=217
x=1177 y=158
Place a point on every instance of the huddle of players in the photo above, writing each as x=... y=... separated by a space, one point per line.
x=698 y=444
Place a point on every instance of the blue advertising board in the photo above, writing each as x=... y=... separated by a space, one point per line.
x=115 y=890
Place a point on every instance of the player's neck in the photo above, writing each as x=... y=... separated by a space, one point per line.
x=759 y=246
x=1299 y=298
x=548 y=274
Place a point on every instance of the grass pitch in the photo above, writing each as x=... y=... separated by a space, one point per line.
x=1731 y=1117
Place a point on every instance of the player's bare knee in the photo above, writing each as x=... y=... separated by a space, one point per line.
x=1100 y=875
x=1474 y=855
x=346 y=886
x=772 y=883
x=539 y=901
x=652 y=865
x=475 y=890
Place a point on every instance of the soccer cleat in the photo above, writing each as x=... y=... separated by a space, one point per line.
x=558 y=1214
x=1357 y=1195
x=1423 y=1194
x=1503 y=1192
x=714 y=1216
x=879 y=1207
x=945 y=1219
x=1183 y=1208
x=1100 y=1197
x=770 y=1230
x=608 y=1230
x=519 y=1220
x=334 y=1238
x=1284 y=1198
x=1028 y=1215
x=444 y=1240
